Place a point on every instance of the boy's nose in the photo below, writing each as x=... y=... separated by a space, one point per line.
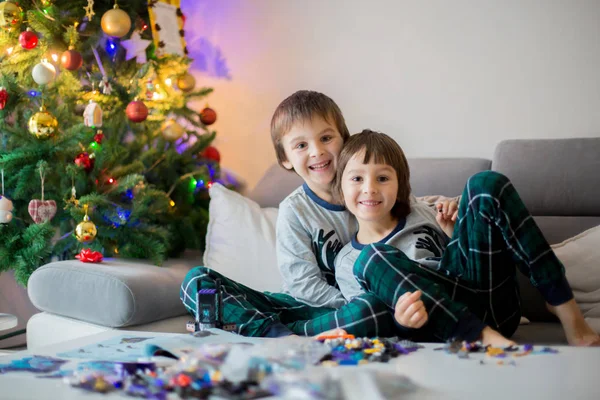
x=316 y=150
x=369 y=187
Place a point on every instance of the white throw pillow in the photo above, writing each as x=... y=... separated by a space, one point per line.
x=581 y=257
x=240 y=240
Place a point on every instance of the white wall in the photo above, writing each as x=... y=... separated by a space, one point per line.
x=444 y=78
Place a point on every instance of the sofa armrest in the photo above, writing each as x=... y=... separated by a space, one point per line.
x=114 y=293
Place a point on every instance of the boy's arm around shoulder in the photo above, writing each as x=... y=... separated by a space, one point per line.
x=431 y=201
x=298 y=264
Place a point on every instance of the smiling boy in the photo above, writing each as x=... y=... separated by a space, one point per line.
x=308 y=132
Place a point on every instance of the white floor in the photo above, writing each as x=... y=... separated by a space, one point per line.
x=570 y=374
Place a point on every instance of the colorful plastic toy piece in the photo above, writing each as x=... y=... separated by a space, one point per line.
x=209 y=309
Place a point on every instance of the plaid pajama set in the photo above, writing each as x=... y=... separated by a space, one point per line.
x=310 y=233
x=256 y=312
x=475 y=282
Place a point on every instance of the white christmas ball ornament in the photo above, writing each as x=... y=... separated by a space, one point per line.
x=6 y=207
x=43 y=72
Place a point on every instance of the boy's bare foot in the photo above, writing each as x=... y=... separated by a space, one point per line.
x=490 y=337
x=577 y=330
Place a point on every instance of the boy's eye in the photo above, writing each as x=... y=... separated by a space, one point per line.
x=383 y=179
x=356 y=179
x=326 y=138
x=300 y=146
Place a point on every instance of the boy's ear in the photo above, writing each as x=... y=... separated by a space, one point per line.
x=287 y=165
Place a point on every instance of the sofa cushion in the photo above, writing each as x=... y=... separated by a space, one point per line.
x=114 y=293
x=553 y=176
x=581 y=257
x=579 y=254
x=274 y=186
x=557 y=229
x=240 y=240
x=443 y=176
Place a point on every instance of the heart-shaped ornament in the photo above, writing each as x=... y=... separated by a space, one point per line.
x=42 y=211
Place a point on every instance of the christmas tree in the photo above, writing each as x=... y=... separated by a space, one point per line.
x=99 y=148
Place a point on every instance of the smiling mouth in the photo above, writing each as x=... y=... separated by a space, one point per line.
x=320 y=166
x=369 y=203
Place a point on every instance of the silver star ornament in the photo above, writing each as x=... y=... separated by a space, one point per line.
x=136 y=47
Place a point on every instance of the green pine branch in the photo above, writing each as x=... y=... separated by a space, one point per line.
x=147 y=196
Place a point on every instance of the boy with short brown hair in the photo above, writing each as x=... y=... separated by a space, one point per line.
x=308 y=132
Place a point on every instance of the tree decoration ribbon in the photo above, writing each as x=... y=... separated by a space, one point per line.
x=105 y=85
x=89 y=256
x=42 y=176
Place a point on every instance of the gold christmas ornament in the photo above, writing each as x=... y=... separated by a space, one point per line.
x=171 y=130
x=43 y=124
x=186 y=82
x=116 y=22
x=86 y=230
x=10 y=15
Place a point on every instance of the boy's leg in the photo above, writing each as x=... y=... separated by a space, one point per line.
x=363 y=316
x=493 y=233
x=255 y=313
x=388 y=273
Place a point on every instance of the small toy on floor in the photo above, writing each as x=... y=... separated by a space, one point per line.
x=209 y=309
x=348 y=350
x=462 y=349
x=35 y=364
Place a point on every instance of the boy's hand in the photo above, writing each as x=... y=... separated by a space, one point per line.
x=410 y=311
x=446 y=215
x=337 y=332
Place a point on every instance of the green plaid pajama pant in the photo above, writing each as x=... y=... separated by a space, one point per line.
x=475 y=282
x=255 y=312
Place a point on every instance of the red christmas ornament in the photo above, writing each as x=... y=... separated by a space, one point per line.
x=71 y=60
x=208 y=116
x=84 y=161
x=211 y=153
x=3 y=97
x=98 y=137
x=89 y=256
x=28 y=39
x=136 y=111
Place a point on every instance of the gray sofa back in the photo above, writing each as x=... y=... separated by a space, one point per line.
x=445 y=176
x=429 y=176
x=558 y=179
